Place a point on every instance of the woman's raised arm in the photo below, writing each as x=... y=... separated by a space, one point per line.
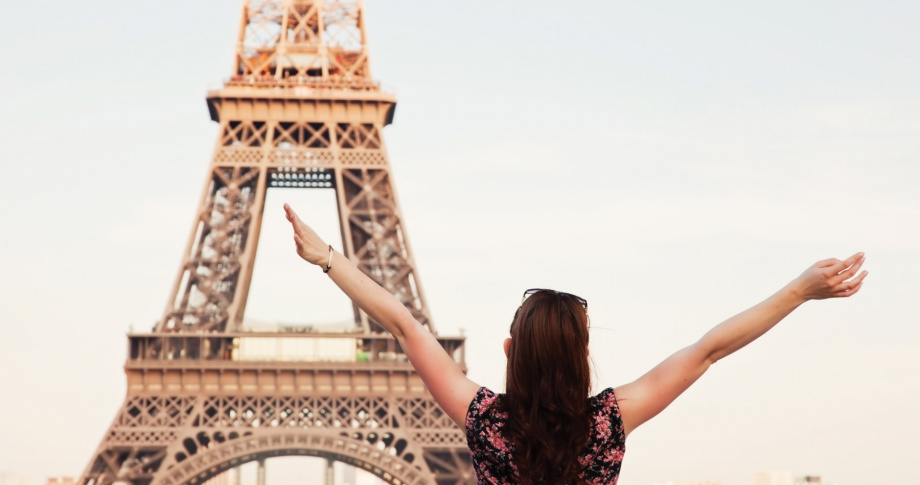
x=447 y=383
x=647 y=396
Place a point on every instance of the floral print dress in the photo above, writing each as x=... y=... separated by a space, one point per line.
x=493 y=454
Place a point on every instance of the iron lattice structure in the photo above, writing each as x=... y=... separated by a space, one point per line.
x=300 y=110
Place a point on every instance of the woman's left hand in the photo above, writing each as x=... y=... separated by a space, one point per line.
x=831 y=278
x=310 y=246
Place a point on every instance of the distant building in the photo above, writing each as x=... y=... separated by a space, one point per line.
x=773 y=478
x=10 y=478
x=349 y=476
x=222 y=479
x=708 y=482
x=810 y=480
x=364 y=478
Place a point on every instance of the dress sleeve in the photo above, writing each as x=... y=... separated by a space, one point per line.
x=490 y=452
x=478 y=407
x=607 y=442
x=616 y=421
x=608 y=422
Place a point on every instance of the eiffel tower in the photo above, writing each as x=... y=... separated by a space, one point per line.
x=206 y=395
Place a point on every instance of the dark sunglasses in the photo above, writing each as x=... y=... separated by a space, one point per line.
x=532 y=291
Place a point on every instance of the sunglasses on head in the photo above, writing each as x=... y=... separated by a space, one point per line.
x=533 y=291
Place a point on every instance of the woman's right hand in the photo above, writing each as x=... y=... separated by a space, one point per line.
x=310 y=246
x=831 y=278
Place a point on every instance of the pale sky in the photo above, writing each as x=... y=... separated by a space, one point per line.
x=670 y=162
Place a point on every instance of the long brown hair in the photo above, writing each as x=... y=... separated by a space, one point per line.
x=547 y=385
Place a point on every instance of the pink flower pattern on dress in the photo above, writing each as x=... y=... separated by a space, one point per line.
x=493 y=454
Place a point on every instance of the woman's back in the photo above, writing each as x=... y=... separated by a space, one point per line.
x=493 y=452
x=547 y=384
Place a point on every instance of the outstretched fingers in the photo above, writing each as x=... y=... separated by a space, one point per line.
x=850 y=287
x=298 y=225
x=310 y=246
x=291 y=215
x=846 y=269
x=847 y=292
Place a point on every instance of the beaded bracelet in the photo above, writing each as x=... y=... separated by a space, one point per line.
x=329 y=263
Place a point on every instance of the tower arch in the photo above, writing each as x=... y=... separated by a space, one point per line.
x=394 y=465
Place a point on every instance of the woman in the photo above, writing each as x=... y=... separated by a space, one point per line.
x=545 y=428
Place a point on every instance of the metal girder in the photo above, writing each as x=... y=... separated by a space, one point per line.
x=170 y=440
